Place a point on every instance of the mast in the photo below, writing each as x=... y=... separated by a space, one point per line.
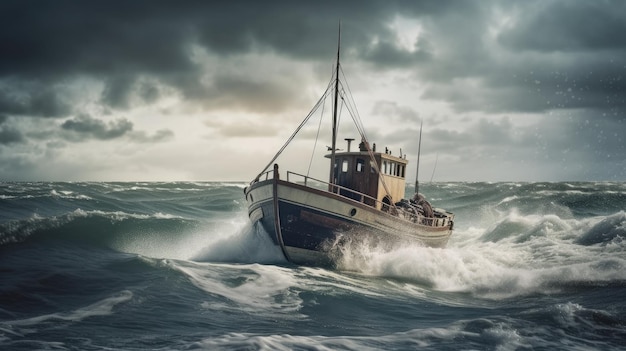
x=334 y=138
x=419 y=147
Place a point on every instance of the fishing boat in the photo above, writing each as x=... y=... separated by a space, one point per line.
x=314 y=221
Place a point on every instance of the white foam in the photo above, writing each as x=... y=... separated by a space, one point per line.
x=100 y=308
x=218 y=240
x=411 y=339
x=330 y=282
x=238 y=241
x=118 y=216
x=253 y=288
x=275 y=290
x=67 y=194
x=540 y=256
x=508 y=199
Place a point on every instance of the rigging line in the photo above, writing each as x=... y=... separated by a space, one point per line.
x=419 y=150
x=360 y=127
x=319 y=127
x=306 y=119
x=340 y=111
x=370 y=152
x=360 y=124
x=434 y=168
x=350 y=107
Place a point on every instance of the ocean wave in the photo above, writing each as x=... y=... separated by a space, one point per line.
x=522 y=228
x=584 y=328
x=237 y=241
x=272 y=290
x=609 y=229
x=523 y=255
x=566 y=200
x=573 y=316
x=221 y=239
x=67 y=194
x=103 y=307
x=82 y=224
x=254 y=288
x=171 y=187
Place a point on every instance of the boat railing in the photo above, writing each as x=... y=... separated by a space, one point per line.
x=265 y=175
x=334 y=188
x=413 y=216
x=305 y=180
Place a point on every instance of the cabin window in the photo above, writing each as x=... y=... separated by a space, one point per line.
x=344 y=166
x=384 y=167
x=372 y=167
x=360 y=165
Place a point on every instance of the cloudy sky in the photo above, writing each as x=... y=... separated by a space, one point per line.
x=208 y=90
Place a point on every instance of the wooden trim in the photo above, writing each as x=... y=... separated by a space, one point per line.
x=279 y=234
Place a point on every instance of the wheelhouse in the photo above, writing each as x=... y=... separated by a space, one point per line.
x=357 y=171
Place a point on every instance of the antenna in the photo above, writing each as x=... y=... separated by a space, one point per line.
x=419 y=147
x=434 y=168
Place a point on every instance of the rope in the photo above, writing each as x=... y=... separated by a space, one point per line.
x=361 y=129
x=354 y=113
x=306 y=119
x=319 y=127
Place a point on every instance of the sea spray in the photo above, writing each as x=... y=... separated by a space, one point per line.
x=141 y=265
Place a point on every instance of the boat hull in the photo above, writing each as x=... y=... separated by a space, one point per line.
x=311 y=225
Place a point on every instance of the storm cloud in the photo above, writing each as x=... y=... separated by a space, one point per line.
x=86 y=126
x=496 y=81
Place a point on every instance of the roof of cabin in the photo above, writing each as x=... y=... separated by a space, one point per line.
x=365 y=154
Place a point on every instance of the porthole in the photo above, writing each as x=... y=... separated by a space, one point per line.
x=353 y=212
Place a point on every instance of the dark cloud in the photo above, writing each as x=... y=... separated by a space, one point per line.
x=66 y=37
x=32 y=98
x=565 y=60
x=52 y=43
x=118 y=43
x=10 y=135
x=125 y=92
x=389 y=54
x=566 y=26
x=574 y=146
x=117 y=91
x=87 y=127
x=528 y=57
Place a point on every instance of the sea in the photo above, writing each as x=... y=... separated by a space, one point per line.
x=177 y=266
